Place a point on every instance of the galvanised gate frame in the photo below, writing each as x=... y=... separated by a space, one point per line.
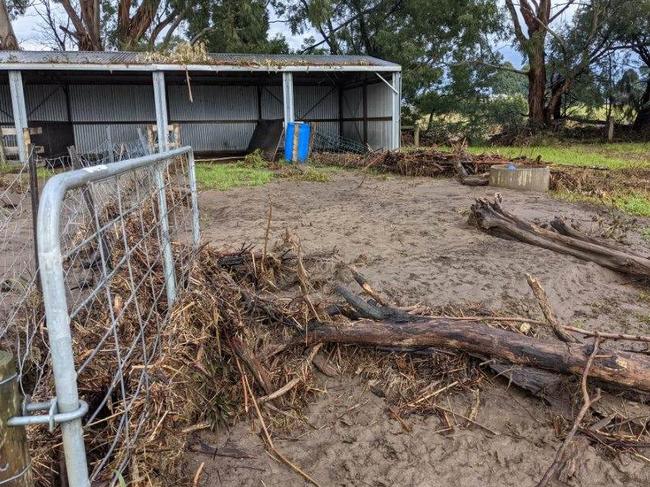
x=57 y=264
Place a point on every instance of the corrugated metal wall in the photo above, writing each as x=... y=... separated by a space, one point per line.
x=108 y=103
x=213 y=120
x=379 y=106
x=272 y=102
x=352 y=107
x=221 y=118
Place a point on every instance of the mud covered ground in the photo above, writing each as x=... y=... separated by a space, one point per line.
x=410 y=238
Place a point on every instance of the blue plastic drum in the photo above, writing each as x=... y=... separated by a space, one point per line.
x=296 y=142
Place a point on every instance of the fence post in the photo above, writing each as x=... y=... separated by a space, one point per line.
x=196 y=231
x=33 y=193
x=160 y=100
x=15 y=464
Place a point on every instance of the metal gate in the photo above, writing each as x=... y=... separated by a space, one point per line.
x=114 y=246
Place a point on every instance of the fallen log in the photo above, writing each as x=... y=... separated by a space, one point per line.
x=623 y=369
x=493 y=219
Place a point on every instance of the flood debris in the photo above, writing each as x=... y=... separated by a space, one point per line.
x=428 y=162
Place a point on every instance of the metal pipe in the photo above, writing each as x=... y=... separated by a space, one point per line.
x=396 y=114
x=196 y=231
x=287 y=98
x=19 y=111
x=161 y=122
x=391 y=86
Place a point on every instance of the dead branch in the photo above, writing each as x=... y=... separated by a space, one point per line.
x=261 y=375
x=548 y=312
x=365 y=285
x=587 y=403
x=270 y=444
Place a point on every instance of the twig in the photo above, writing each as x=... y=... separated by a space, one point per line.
x=197 y=475
x=548 y=312
x=295 y=381
x=268 y=230
x=365 y=285
x=281 y=391
x=266 y=233
x=587 y=403
x=482 y=426
x=270 y=444
x=432 y=394
x=609 y=336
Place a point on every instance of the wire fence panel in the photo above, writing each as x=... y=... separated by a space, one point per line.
x=114 y=240
x=20 y=319
x=328 y=142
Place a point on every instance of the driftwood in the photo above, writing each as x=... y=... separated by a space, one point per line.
x=492 y=218
x=548 y=312
x=463 y=176
x=624 y=369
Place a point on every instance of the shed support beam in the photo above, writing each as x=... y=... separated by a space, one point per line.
x=287 y=98
x=161 y=109
x=19 y=112
x=395 y=111
x=160 y=99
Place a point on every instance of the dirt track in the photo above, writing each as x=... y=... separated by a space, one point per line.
x=409 y=236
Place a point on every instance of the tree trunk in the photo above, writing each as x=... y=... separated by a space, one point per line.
x=642 y=121
x=623 y=369
x=8 y=41
x=536 y=89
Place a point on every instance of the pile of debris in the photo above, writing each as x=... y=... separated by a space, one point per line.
x=251 y=326
x=428 y=162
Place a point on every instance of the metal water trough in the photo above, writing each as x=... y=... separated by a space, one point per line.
x=530 y=178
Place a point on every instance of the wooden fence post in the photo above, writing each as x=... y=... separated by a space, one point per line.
x=34 y=194
x=15 y=465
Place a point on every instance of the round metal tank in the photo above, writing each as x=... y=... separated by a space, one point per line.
x=530 y=178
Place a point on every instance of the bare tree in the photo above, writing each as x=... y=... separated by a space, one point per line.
x=8 y=39
x=132 y=24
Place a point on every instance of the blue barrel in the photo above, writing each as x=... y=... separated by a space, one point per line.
x=296 y=142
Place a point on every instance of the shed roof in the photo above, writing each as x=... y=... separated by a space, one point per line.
x=140 y=61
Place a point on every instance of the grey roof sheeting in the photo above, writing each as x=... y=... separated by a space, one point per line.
x=139 y=61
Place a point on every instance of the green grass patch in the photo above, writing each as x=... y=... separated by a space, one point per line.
x=41 y=172
x=632 y=203
x=227 y=176
x=251 y=173
x=612 y=156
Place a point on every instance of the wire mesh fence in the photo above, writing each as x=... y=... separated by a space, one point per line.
x=328 y=142
x=115 y=248
x=19 y=299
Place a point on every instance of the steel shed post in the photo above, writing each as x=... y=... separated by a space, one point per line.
x=161 y=122
x=395 y=111
x=287 y=98
x=19 y=111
